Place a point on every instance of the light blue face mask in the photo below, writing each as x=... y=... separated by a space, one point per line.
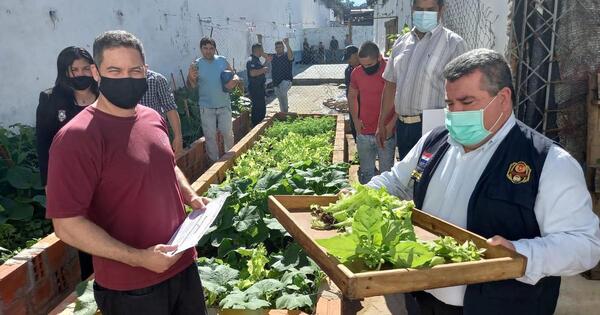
x=425 y=21
x=467 y=127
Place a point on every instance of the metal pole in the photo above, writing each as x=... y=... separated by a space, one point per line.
x=521 y=48
x=550 y=63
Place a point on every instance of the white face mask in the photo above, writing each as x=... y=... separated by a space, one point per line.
x=425 y=21
x=467 y=127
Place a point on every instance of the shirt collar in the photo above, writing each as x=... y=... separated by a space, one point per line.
x=497 y=138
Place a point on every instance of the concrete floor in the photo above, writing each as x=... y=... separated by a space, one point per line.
x=578 y=296
x=308 y=99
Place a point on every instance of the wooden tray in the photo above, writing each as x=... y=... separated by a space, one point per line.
x=499 y=263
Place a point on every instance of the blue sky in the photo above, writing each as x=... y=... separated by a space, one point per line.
x=359 y=2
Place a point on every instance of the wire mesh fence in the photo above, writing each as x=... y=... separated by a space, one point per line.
x=472 y=20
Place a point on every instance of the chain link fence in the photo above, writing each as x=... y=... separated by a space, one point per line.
x=472 y=20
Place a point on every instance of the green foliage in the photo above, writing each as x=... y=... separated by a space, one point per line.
x=393 y=37
x=259 y=284
x=239 y=103
x=22 y=200
x=381 y=234
x=189 y=111
x=261 y=266
x=340 y=215
x=189 y=115
x=85 y=303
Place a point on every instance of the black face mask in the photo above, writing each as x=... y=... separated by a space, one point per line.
x=372 y=69
x=81 y=83
x=124 y=93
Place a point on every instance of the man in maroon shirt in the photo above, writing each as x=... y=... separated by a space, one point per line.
x=367 y=84
x=115 y=191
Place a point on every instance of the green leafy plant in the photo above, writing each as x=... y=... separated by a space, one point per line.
x=263 y=267
x=379 y=235
x=22 y=196
x=85 y=304
x=393 y=37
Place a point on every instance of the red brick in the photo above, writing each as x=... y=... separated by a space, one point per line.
x=18 y=307
x=43 y=292
x=14 y=276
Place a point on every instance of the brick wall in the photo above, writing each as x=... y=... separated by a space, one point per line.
x=38 y=278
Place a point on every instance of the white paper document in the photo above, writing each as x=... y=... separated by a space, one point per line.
x=196 y=224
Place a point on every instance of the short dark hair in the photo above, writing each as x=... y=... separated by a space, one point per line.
x=493 y=66
x=207 y=41
x=278 y=43
x=113 y=39
x=368 y=49
x=440 y=3
x=256 y=47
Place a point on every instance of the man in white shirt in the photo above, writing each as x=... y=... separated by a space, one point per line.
x=413 y=74
x=488 y=172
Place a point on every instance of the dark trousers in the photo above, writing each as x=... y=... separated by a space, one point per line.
x=259 y=105
x=352 y=129
x=85 y=265
x=181 y=294
x=423 y=303
x=407 y=135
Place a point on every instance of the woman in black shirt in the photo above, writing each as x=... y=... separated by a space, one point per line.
x=73 y=90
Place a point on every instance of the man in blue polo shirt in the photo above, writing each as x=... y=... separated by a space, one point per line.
x=215 y=104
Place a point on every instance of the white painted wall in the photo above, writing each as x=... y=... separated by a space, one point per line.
x=169 y=29
x=475 y=20
x=360 y=34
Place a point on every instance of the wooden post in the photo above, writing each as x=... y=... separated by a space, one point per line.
x=174 y=84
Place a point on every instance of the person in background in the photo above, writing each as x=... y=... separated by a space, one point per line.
x=320 y=53
x=489 y=173
x=367 y=85
x=215 y=104
x=256 y=84
x=334 y=45
x=281 y=71
x=306 y=52
x=74 y=89
x=413 y=75
x=351 y=57
x=160 y=98
x=348 y=40
x=115 y=191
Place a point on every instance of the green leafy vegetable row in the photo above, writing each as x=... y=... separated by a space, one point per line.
x=252 y=261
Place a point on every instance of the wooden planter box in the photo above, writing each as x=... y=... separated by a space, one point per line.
x=293 y=212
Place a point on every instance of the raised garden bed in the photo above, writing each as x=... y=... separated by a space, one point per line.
x=246 y=235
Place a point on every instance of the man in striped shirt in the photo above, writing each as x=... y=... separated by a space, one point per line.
x=413 y=75
x=160 y=98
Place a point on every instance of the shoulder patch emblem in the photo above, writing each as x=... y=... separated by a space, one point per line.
x=62 y=115
x=518 y=172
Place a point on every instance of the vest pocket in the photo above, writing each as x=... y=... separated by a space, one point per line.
x=502 y=212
